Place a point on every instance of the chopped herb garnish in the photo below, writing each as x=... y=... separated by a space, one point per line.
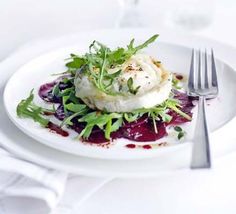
x=178 y=129
x=130 y=84
x=180 y=132
x=181 y=135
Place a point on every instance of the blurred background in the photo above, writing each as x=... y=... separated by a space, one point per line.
x=25 y=20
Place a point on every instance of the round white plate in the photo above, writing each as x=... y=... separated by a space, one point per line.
x=174 y=57
x=174 y=158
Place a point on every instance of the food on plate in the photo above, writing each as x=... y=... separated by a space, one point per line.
x=108 y=94
x=140 y=82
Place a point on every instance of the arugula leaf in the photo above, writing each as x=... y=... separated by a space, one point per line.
x=56 y=90
x=131 y=117
x=165 y=117
x=76 y=63
x=67 y=120
x=66 y=92
x=75 y=107
x=73 y=98
x=72 y=105
x=144 y=45
x=64 y=100
x=130 y=46
x=116 y=57
x=103 y=121
x=86 y=132
x=116 y=125
x=88 y=117
x=108 y=129
x=27 y=109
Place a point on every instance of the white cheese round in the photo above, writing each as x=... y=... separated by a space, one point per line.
x=153 y=81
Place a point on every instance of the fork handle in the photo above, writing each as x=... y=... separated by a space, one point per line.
x=201 y=149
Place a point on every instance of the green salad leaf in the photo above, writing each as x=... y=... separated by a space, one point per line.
x=27 y=109
x=109 y=122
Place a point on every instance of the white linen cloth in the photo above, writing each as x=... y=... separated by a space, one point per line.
x=22 y=179
x=25 y=186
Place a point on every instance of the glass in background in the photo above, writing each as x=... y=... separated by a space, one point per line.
x=129 y=16
x=191 y=15
x=188 y=15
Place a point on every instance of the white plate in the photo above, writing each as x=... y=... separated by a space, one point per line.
x=38 y=71
x=175 y=158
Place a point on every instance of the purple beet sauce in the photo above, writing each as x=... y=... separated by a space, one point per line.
x=141 y=130
x=57 y=129
x=45 y=91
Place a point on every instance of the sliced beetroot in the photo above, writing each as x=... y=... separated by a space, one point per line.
x=141 y=130
x=177 y=119
x=137 y=122
x=186 y=103
x=144 y=132
x=97 y=136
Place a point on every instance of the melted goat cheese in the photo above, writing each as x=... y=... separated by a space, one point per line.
x=153 y=81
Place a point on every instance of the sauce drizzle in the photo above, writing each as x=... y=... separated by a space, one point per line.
x=57 y=129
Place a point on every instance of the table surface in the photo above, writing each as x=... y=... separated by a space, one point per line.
x=26 y=20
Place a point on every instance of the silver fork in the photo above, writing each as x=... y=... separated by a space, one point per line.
x=203 y=84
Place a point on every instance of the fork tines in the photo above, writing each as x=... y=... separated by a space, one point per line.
x=205 y=77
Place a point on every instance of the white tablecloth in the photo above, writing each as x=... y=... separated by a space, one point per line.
x=205 y=192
